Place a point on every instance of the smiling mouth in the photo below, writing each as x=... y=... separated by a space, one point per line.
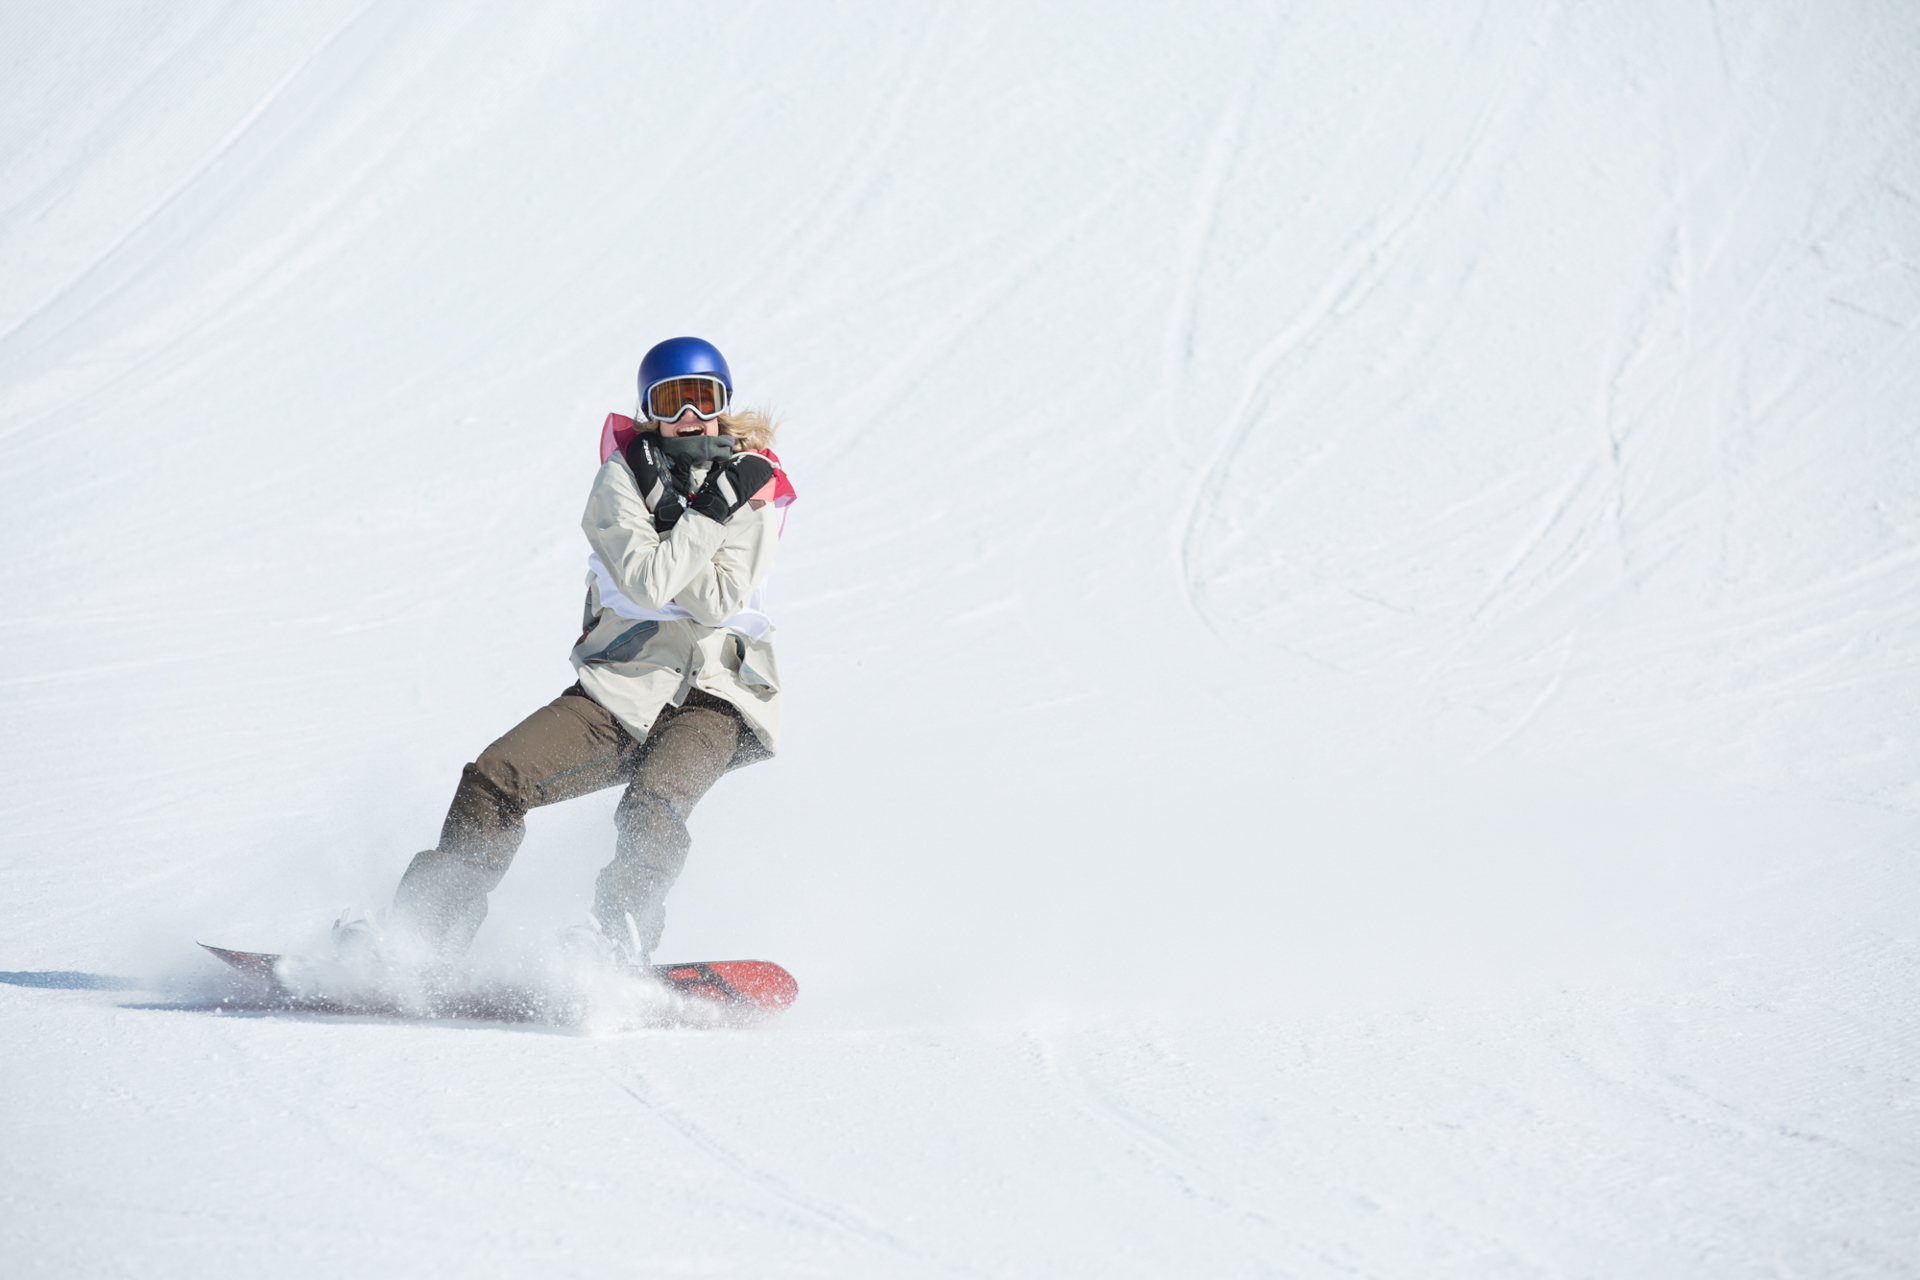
x=697 y=429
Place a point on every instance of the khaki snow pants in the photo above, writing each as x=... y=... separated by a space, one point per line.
x=570 y=747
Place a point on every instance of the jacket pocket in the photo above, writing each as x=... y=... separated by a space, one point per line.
x=753 y=663
x=626 y=646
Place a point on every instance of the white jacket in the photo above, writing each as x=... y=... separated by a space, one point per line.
x=665 y=615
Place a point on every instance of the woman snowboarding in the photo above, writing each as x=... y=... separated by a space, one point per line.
x=677 y=680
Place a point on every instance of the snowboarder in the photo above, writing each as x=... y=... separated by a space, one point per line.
x=677 y=680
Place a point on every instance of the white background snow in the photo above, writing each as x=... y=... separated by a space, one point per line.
x=1351 y=631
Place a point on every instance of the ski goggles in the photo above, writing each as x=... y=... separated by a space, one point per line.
x=707 y=397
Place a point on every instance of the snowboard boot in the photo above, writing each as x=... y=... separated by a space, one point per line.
x=589 y=942
x=356 y=940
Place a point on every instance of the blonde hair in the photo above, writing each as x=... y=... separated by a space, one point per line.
x=753 y=428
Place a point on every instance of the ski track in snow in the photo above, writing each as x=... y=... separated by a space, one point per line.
x=186 y=182
x=1351 y=627
x=754 y=1172
x=1371 y=252
x=1150 y=1147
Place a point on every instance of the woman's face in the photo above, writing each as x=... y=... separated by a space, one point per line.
x=689 y=424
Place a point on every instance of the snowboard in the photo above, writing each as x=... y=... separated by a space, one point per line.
x=704 y=993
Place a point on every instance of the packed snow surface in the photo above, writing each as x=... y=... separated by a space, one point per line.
x=1352 y=632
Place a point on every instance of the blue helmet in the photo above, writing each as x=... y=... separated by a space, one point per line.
x=680 y=357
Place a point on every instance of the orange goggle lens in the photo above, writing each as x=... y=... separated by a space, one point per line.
x=665 y=400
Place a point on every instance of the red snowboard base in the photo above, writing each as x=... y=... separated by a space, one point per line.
x=710 y=993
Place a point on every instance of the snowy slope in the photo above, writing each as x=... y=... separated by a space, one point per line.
x=1351 y=628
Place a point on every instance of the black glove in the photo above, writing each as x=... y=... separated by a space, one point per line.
x=661 y=479
x=667 y=514
x=730 y=482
